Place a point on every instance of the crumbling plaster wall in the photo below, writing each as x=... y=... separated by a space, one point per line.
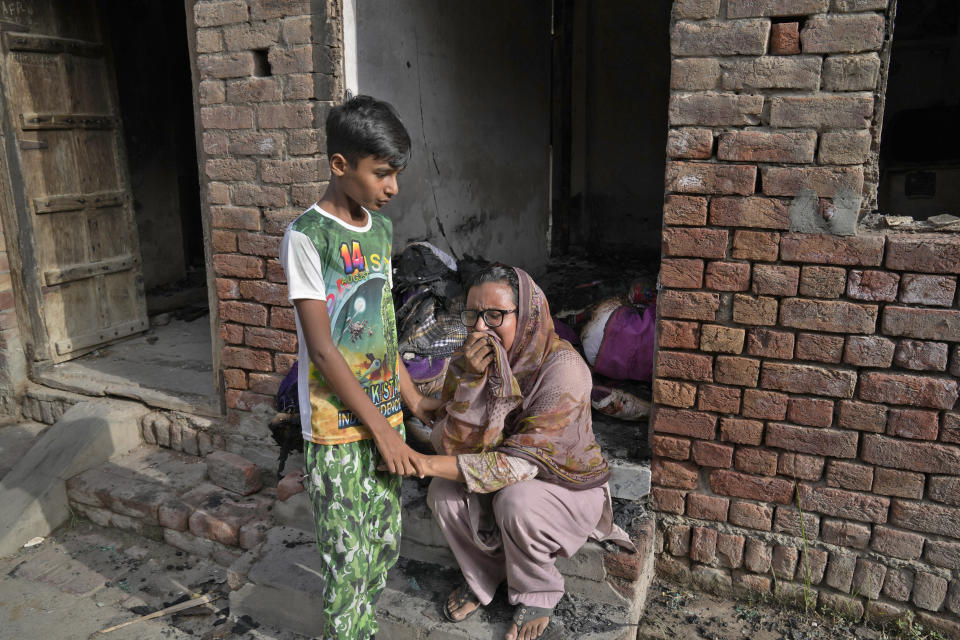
x=265 y=74
x=806 y=421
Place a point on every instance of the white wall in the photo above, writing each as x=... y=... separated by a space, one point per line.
x=471 y=81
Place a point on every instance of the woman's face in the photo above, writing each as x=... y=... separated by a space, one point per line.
x=495 y=295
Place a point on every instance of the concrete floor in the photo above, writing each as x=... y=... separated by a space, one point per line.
x=169 y=366
x=16 y=437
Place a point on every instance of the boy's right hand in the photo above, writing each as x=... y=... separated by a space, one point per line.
x=478 y=352
x=398 y=458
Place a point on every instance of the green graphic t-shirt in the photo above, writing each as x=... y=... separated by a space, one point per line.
x=327 y=259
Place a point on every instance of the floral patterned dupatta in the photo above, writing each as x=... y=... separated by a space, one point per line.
x=533 y=402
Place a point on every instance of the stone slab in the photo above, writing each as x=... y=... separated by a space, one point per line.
x=33 y=493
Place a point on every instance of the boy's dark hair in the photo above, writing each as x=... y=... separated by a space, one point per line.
x=497 y=272
x=364 y=126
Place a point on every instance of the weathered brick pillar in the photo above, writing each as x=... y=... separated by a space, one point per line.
x=266 y=72
x=806 y=388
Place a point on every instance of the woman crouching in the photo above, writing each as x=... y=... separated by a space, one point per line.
x=520 y=479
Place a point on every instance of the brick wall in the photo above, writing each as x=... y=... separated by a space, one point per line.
x=800 y=376
x=266 y=72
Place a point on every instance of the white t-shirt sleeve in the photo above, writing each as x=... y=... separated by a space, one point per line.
x=301 y=263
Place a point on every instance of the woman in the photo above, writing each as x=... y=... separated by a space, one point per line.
x=520 y=479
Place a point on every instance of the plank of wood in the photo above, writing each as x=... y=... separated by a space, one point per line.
x=88 y=270
x=35 y=121
x=98 y=337
x=188 y=604
x=77 y=201
x=19 y=41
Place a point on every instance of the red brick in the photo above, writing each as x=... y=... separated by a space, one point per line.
x=282 y=318
x=685 y=210
x=757 y=461
x=823 y=111
x=798 y=465
x=723 y=339
x=218 y=192
x=808 y=379
x=711 y=454
x=236 y=217
x=283 y=362
x=903 y=484
x=741 y=431
x=254 y=143
x=692 y=144
x=784 y=38
x=924 y=457
x=237 y=266
x=213 y=14
x=674 y=334
x=828 y=315
x=757 y=557
x=756 y=245
x=707 y=507
x=752 y=516
x=680 y=475
x=921 y=356
x=686 y=366
x=669 y=447
x=695 y=242
x=827 y=182
x=822 y=282
x=235 y=378
x=766 y=405
x=899 y=544
x=681 y=273
x=284 y=116
x=226 y=117
x=227 y=289
x=873 y=285
x=768 y=343
x=813 y=412
x=796 y=523
x=710 y=178
x=784 y=561
x=223 y=241
x=819 y=347
x=868 y=351
x=945 y=489
x=288 y=171
x=265 y=383
x=925 y=324
x=174 y=515
x=249 y=359
x=767 y=8
x=231 y=333
x=737 y=371
x=775 y=280
x=862 y=251
x=246 y=400
x=916 y=424
x=259 y=244
x=842 y=503
x=243 y=313
x=925 y=517
x=674 y=393
x=767 y=146
x=812 y=440
x=740 y=485
x=758 y=212
x=849 y=475
x=233 y=472
x=754 y=311
x=694 y=74
x=862 y=416
x=843 y=33
x=719 y=37
x=272 y=339
x=845 y=534
x=730 y=550
x=728 y=276
x=951 y=428
x=719 y=399
x=275 y=272
x=713 y=109
x=667 y=500
x=936 y=291
x=918 y=391
x=926 y=253
x=685 y=422
x=688 y=305
x=703 y=545
x=266 y=292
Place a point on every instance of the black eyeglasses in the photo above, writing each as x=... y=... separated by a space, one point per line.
x=491 y=317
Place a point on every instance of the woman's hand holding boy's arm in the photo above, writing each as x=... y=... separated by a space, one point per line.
x=315 y=322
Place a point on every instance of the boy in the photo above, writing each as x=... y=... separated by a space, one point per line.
x=336 y=256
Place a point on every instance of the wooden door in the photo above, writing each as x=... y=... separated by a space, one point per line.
x=75 y=205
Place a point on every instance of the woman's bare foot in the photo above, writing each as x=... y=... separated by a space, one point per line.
x=524 y=628
x=461 y=603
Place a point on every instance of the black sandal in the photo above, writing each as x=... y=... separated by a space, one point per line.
x=525 y=613
x=465 y=595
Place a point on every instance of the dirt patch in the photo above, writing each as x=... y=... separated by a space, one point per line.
x=676 y=613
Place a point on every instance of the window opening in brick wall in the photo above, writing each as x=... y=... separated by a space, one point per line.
x=920 y=145
x=261 y=64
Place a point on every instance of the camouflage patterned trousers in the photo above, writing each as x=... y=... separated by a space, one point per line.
x=357 y=519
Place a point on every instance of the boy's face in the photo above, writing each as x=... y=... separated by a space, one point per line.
x=371 y=183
